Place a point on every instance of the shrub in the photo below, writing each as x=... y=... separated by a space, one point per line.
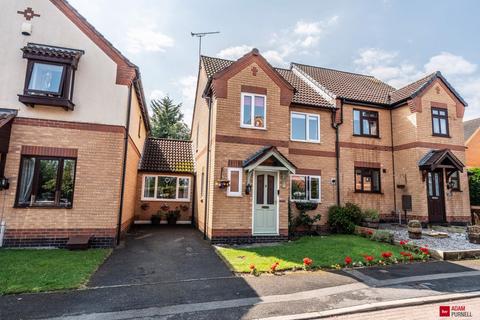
x=304 y=219
x=371 y=214
x=382 y=236
x=344 y=219
x=474 y=185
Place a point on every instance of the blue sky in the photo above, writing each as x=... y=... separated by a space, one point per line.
x=396 y=41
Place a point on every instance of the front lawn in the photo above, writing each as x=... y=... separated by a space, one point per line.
x=324 y=251
x=45 y=270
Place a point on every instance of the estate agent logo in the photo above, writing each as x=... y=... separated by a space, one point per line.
x=455 y=312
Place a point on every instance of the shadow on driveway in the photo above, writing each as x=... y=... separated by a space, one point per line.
x=152 y=254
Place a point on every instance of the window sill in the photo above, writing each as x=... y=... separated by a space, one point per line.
x=441 y=135
x=368 y=192
x=254 y=128
x=32 y=100
x=306 y=141
x=166 y=200
x=366 y=136
x=42 y=207
x=314 y=201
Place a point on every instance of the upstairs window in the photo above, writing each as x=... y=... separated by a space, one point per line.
x=46 y=182
x=50 y=75
x=365 y=123
x=305 y=127
x=367 y=180
x=305 y=188
x=440 y=122
x=253 y=111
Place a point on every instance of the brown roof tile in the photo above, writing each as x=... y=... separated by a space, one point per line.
x=349 y=85
x=410 y=89
x=214 y=65
x=167 y=155
x=470 y=126
x=304 y=94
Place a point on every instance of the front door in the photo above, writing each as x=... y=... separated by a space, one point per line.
x=265 y=204
x=435 y=195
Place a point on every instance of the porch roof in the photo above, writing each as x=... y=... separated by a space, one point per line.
x=443 y=158
x=257 y=158
x=167 y=155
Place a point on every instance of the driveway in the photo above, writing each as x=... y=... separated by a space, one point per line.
x=152 y=254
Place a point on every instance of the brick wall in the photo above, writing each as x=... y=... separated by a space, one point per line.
x=153 y=207
x=473 y=151
x=97 y=184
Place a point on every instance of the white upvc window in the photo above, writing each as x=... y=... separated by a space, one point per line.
x=235 y=186
x=166 y=188
x=305 y=188
x=305 y=127
x=253 y=111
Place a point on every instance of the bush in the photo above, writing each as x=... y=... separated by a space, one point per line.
x=474 y=185
x=382 y=236
x=344 y=219
x=371 y=214
x=304 y=219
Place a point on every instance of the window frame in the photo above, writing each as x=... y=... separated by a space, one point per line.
x=440 y=117
x=35 y=182
x=371 y=176
x=457 y=178
x=308 y=190
x=177 y=186
x=61 y=86
x=362 y=117
x=240 y=182
x=252 y=110
x=307 y=126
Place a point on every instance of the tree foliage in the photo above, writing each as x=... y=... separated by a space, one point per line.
x=167 y=120
x=474 y=186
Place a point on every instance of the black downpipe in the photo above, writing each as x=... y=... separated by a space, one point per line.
x=208 y=167
x=336 y=126
x=393 y=167
x=124 y=168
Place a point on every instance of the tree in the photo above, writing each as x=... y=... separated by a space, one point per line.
x=167 y=120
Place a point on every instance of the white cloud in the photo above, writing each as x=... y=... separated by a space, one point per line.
x=147 y=38
x=233 y=53
x=188 y=85
x=450 y=64
x=297 y=39
x=387 y=66
x=156 y=94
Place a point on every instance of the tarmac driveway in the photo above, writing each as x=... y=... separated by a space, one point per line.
x=152 y=254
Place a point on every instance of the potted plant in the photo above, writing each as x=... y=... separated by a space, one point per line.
x=370 y=218
x=156 y=218
x=414 y=229
x=473 y=233
x=172 y=216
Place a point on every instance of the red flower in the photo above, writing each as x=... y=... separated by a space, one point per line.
x=403 y=242
x=252 y=267
x=368 y=258
x=307 y=261
x=406 y=254
x=274 y=266
x=424 y=250
x=348 y=260
x=386 y=254
x=369 y=232
x=411 y=257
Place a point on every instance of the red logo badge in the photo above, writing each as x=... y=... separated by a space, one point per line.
x=444 y=311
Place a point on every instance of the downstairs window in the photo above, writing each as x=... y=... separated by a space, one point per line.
x=305 y=188
x=166 y=188
x=46 y=182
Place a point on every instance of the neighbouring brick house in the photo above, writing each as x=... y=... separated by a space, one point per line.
x=73 y=121
x=472 y=142
x=265 y=136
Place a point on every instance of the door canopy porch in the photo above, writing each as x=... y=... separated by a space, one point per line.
x=268 y=158
x=440 y=159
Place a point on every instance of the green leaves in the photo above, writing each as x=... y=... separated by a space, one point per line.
x=167 y=120
x=474 y=185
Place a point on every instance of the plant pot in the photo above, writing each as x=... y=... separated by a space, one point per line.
x=415 y=233
x=473 y=234
x=371 y=223
x=172 y=221
x=155 y=220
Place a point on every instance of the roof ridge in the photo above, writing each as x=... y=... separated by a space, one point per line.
x=204 y=56
x=168 y=139
x=349 y=72
x=420 y=79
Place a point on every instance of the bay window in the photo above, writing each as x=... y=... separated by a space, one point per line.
x=305 y=188
x=46 y=182
x=253 y=111
x=305 y=127
x=167 y=188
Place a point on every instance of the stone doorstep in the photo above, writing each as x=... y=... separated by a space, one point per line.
x=457 y=254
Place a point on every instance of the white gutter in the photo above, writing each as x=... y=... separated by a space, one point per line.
x=312 y=83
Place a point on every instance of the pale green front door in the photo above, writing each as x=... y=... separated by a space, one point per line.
x=265 y=204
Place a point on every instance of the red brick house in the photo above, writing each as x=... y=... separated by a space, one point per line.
x=472 y=142
x=264 y=137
